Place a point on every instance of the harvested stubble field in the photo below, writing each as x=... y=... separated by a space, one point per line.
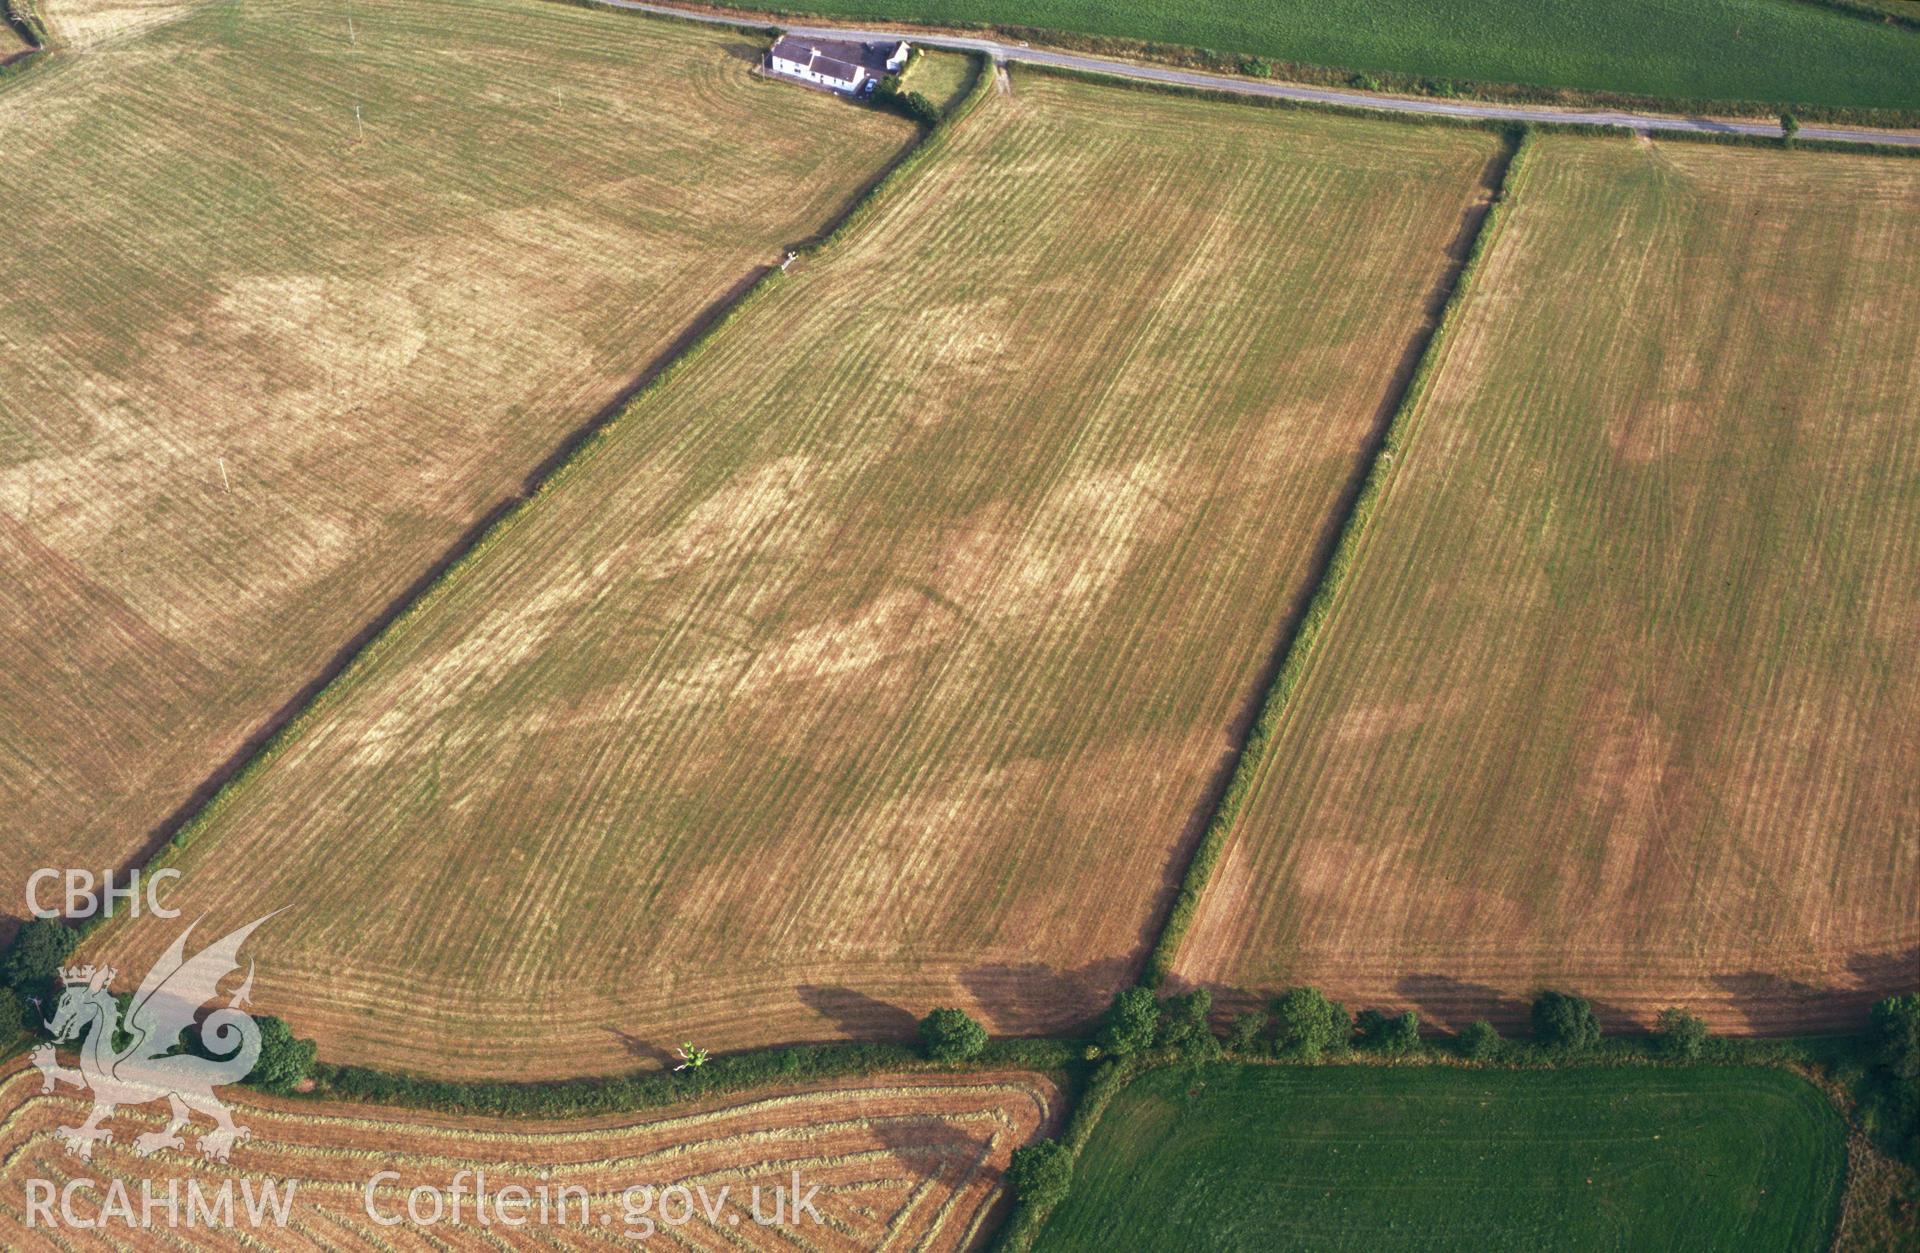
x=884 y=656
x=262 y=370
x=908 y=1161
x=1619 y=696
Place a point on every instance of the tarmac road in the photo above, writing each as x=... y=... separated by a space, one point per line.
x=1645 y=123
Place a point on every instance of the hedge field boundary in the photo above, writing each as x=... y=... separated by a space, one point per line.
x=577 y=451
x=725 y=1075
x=1299 y=653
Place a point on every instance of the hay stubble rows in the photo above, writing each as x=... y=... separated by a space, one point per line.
x=1619 y=696
x=899 y=1161
x=266 y=362
x=884 y=655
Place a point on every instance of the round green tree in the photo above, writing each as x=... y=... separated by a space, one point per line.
x=1480 y=1042
x=35 y=955
x=1310 y=1024
x=1132 y=1022
x=1565 y=1023
x=1040 y=1173
x=284 y=1061
x=950 y=1035
x=1681 y=1035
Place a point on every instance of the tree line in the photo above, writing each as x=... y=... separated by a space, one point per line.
x=30 y=988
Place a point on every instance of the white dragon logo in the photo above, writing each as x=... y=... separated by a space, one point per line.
x=152 y=1066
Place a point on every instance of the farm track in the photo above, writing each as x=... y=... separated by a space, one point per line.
x=828 y=674
x=1611 y=699
x=900 y=1161
x=1545 y=115
x=254 y=407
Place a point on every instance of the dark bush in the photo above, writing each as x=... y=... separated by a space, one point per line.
x=912 y=105
x=918 y=108
x=13 y=1016
x=35 y=955
x=1132 y=1022
x=1243 y=1036
x=1310 y=1024
x=1392 y=1035
x=1680 y=1035
x=1895 y=1029
x=1040 y=1173
x=1185 y=1025
x=949 y=1035
x=1564 y=1023
x=1479 y=1042
x=284 y=1061
x=1891 y=1096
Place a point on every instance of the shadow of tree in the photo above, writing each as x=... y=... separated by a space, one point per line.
x=858 y=1015
x=1444 y=1001
x=1032 y=998
x=1772 y=1003
x=642 y=1050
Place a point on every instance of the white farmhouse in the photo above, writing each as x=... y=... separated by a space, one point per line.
x=811 y=63
x=897 y=59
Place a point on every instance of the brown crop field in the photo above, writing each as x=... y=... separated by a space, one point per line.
x=1619 y=696
x=264 y=368
x=899 y=1161
x=887 y=654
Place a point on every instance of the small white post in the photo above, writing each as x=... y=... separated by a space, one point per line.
x=224 y=480
x=359 y=125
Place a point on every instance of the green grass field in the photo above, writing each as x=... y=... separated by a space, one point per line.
x=1750 y=50
x=942 y=77
x=1367 y=1158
